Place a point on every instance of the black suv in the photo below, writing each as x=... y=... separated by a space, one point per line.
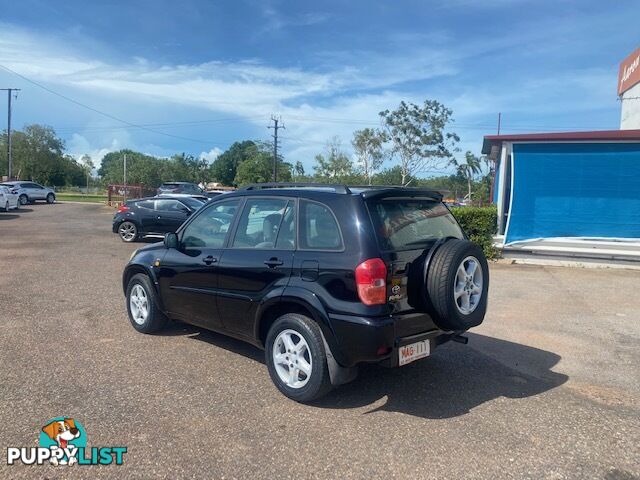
x=322 y=277
x=180 y=187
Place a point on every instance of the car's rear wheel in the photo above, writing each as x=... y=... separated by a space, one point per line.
x=144 y=314
x=128 y=231
x=296 y=358
x=51 y=198
x=457 y=285
x=23 y=199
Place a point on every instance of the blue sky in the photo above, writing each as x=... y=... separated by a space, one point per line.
x=213 y=72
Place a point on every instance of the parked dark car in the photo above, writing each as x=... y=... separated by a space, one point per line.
x=180 y=187
x=322 y=277
x=153 y=216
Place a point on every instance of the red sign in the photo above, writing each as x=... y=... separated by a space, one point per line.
x=629 y=73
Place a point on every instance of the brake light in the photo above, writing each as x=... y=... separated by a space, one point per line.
x=123 y=209
x=371 y=279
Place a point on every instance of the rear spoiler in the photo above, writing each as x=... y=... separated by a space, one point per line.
x=404 y=192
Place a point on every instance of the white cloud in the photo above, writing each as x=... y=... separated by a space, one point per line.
x=211 y=155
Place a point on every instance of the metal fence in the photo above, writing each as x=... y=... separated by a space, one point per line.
x=118 y=194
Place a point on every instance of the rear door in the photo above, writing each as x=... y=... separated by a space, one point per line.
x=188 y=275
x=145 y=215
x=407 y=228
x=170 y=214
x=37 y=192
x=258 y=260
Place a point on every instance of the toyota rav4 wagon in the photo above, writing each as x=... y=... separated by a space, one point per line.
x=322 y=277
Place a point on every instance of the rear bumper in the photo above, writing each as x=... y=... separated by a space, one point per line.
x=365 y=339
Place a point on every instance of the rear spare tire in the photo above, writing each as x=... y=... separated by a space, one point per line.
x=457 y=283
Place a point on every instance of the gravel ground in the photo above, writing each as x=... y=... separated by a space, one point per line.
x=548 y=387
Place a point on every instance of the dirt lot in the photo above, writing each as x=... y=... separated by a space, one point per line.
x=548 y=387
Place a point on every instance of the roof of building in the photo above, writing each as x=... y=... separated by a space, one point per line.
x=491 y=144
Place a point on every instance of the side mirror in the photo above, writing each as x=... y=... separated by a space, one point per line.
x=171 y=240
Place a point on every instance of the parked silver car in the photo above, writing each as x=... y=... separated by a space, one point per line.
x=8 y=200
x=29 y=192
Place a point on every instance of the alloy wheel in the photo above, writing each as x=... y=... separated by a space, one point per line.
x=139 y=304
x=467 y=289
x=292 y=359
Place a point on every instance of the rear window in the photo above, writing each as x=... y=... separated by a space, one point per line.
x=408 y=223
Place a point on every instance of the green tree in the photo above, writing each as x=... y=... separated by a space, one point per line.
x=225 y=167
x=87 y=165
x=391 y=176
x=417 y=136
x=258 y=168
x=368 y=148
x=298 y=170
x=335 y=165
x=468 y=168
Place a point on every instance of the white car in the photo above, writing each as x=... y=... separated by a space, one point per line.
x=8 y=200
x=29 y=192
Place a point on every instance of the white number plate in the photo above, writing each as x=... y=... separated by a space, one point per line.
x=413 y=351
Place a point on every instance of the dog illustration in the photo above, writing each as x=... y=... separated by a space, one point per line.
x=62 y=431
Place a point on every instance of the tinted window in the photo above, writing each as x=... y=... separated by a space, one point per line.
x=148 y=204
x=210 y=228
x=192 y=202
x=170 y=206
x=318 y=227
x=260 y=223
x=405 y=223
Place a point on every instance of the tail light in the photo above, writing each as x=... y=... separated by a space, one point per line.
x=371 y=279
x=123 y=209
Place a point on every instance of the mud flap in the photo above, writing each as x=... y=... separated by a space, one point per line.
x=338 y=374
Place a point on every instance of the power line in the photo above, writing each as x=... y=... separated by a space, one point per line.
x=105 y=114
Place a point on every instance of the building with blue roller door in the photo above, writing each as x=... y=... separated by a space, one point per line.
x=568 y=193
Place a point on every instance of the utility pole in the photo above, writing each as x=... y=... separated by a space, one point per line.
x=499 y=121
x=124 y=175
x=275 y=145
x=9 y=157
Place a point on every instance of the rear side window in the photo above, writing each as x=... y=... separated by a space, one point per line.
x=148 y=204
x=318 y=227
x=408 y=223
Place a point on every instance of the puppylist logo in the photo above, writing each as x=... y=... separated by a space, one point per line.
x=63 y=441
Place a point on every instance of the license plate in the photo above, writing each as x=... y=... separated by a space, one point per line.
x=413 y=351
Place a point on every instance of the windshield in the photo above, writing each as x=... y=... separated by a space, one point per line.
x=408 y=223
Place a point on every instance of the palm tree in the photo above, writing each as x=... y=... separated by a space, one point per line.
x=470 y=167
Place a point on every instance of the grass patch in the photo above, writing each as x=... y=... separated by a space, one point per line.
x=79 y=197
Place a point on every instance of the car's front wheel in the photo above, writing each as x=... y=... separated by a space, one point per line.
x=51 y=198
x=128 y=231
x=23 y=199
x=296 y=358
x=144 y=314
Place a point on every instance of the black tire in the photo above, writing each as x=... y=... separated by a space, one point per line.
x=128 y=231
x=51 y=198
x=155 y=320
x=441 y=283
x=318 y=383
x=23 y=199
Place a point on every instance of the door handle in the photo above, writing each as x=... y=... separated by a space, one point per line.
x=209 y=259
x=273 y=262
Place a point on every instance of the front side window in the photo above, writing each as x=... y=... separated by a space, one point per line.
x=210 y=228
x=318 y=227
x=408 y=223
x=261 y=221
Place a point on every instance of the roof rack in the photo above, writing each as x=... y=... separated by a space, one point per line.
x=260 y=186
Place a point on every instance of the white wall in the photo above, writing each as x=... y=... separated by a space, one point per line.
x=630 y=118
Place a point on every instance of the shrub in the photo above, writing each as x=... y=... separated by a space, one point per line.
x=480 y=224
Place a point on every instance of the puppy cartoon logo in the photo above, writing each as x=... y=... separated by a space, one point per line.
x=64 y=434
x=63 y=441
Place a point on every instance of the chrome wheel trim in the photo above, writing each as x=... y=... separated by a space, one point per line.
x=139 y=304
x=467 y=286
x=127 y=231
x=23 y=199
x=292 y=359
